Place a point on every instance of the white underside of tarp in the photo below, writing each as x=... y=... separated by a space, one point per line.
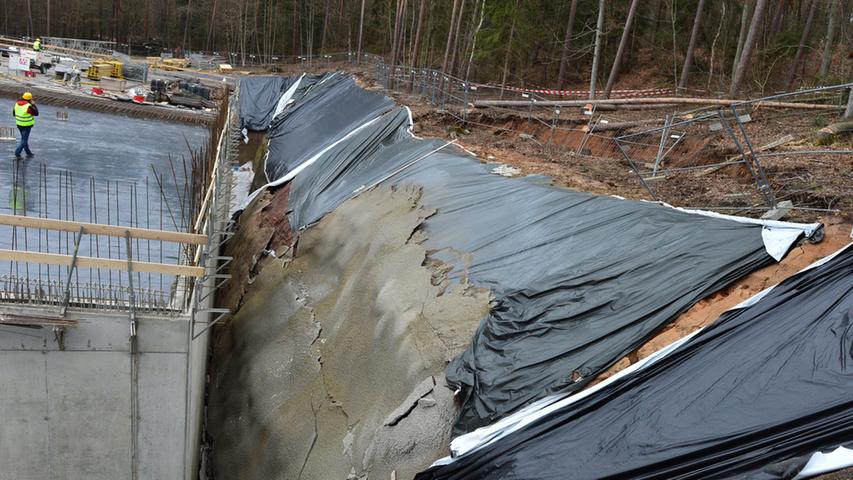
x=821 y=463
x=302 y=166
x=286 y=98
x=307 y=163
x=464 y=444
x=778 y=236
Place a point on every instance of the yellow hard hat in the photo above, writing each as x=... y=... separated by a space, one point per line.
x=27 y=96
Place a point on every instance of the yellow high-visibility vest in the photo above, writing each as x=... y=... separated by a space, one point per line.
x=37 y=46
x=22 y=117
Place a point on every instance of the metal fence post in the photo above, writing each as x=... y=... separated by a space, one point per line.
x=464 y=103
x=554 y=124
x=444 y=93
x=768 y=197
x=664 y=134
x=755 y=166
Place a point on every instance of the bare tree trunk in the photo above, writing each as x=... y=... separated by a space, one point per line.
x=776 y=24
x=396 y=32
x=688 y=59
x=564 y=58
x=744 y=25
x=830 y=37
x=748 y=46
x=416 y=49
x=474 y=40
x=804 y=39
x=30 y=18
x=360 y=32
x=848 y=112
x=401 y=44
x=186 y=24
x=469 y=38
x=714 y=46
x=48 y=18
x=509 y=47
x=654 y=21
x=455 y=47
x=620 y=52
x=449 y=36
x=402 y=41
x=325 y=27
x=210 y=26
x=596 y=56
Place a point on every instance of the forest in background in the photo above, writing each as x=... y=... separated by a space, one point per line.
x=726 y=46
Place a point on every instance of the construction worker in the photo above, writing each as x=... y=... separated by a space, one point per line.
x=37 y=44
x=25 y=113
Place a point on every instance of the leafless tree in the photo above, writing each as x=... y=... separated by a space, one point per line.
x=748 y=46
x=620 y=52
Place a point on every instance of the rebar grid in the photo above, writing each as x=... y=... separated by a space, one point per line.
x=167 y=201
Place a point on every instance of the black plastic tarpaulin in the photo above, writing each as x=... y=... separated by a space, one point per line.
x=580 y=280
x=751 y=396
x=331 y=107
x=258 y=99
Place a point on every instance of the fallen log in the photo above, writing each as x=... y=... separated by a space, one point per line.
x=602 y=126
x=827 y=134
x=652 y=101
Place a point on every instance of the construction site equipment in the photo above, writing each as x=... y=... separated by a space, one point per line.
x=110 y=68
x=98 y=70
x=173 y=64
x=7 y=134
x=62 y=98
x=117 y=70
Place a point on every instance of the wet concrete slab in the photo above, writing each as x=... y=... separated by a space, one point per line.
x=96 y=167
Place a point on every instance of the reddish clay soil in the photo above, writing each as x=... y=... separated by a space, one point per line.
x=837 y=235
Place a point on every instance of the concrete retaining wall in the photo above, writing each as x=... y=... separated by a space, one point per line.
x=66 y=413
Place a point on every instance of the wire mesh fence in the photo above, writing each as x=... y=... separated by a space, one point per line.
x=726 y=152
x=715 y=152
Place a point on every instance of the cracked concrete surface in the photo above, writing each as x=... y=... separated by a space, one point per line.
x=329 y=369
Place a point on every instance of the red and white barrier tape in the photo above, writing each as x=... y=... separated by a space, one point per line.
x=649 y=92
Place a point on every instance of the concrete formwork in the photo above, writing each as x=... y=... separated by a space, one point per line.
x=67 y=412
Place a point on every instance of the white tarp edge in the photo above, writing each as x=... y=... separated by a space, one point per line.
x=778 y=236
x=286 y=98
x=483 y=436
x=302 y=166
x=821 y=463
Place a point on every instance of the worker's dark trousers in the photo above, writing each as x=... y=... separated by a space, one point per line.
x=24 y=145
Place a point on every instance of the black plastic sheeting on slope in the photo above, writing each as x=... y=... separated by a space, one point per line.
x=258 y=99
x=580 y=280
x=763 y=386
x=332 y=107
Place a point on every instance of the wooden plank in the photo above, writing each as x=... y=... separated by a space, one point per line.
x=775 y=143
x=35 y=320
x=101 y=229
x=92 y=262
